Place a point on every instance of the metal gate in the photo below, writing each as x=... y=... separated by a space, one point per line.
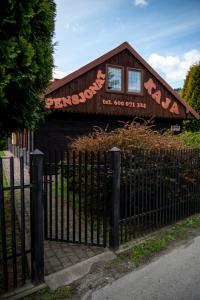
x=76 y=193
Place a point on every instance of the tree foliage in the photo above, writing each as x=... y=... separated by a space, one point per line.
x=178 y=90
x=191 y=93
x=26 y=61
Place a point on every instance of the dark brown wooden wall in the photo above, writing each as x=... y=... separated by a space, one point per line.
x=55 y=132
x=125 y=59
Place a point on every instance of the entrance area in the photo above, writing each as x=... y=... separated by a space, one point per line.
x=64 y=208
x=16 y=254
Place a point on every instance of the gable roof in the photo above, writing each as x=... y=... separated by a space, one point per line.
x=59 y=83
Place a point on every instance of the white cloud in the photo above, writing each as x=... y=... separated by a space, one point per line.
x=58 y=74
x=174 y=68
x=75 y=27
x=140 y=2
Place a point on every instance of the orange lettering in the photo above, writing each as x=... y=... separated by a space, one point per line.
x=58 y=103
x=100 y=82
x=66 y=101
x=82 y=99
x=157 y=96
x=49 y=102
x=75 y=99
x=100 y=75
x=94 y=88
x=149 y=85
x=88 y=94
x=174 y=109
x=166 y=104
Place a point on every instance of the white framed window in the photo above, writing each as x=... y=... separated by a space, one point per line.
x=134 y=81
x=114 y=78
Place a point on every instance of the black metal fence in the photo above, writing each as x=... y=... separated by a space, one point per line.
x=14 y=245
x=19 y=222
x=18 y=151
x=94 y=198
x=76 y=197
x=110 y=198
x=157 y=188
x=21 y=143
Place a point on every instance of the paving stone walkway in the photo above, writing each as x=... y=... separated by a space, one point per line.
x=58 y=255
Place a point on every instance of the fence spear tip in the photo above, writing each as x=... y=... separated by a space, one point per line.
x=115 y=149
x=37 y=151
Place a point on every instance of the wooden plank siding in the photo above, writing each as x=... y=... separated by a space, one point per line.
x=71 y=121
x=76 y=120
x=59 y=129
x=95 y=106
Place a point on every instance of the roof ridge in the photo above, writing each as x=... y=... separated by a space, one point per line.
x=125 y=45
x=55 y=85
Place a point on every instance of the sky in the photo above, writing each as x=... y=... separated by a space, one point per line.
x=165 y=33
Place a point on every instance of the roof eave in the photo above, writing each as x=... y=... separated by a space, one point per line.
x=57 y=84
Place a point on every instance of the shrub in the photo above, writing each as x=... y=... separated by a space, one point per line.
x=191 y=139
x=131 y=136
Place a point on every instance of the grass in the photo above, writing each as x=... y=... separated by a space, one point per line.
x=46 y=294
x=59 y=192
x=7 y=216
x=5 y=183
x=1 y=153
x=161 y=240
x=8 y=226
x=147 y=249
x=191 y=139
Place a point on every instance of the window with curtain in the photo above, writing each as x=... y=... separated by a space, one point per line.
x=134 y=81
x=114 y=79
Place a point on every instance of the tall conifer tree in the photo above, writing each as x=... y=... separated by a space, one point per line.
x=191 y=93
x=26 y=61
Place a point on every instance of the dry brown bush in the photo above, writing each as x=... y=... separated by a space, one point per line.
x=131 y=136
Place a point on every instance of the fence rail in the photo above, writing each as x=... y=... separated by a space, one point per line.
x=92 y=198
x=109 y=198
x=157 y=188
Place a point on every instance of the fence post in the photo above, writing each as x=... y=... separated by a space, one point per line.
x=24 y=155
x=115 y=198
x=32 y=140
x=9 y=144
x=17 y=151
x=37 y=216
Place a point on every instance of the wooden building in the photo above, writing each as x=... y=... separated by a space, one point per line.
x=118 y=86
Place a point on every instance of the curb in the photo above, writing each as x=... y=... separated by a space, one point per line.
x=73 y=273
x=22 y=292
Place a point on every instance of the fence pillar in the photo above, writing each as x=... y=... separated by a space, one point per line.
x=37 y=216
x=115 y=198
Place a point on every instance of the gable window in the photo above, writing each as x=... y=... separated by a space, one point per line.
x=114 y=78
x=134 y=81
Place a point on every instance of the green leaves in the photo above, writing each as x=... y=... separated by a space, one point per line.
x=26 y=61
x=191 y=93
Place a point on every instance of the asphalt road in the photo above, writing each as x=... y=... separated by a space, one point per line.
x=173 y=276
